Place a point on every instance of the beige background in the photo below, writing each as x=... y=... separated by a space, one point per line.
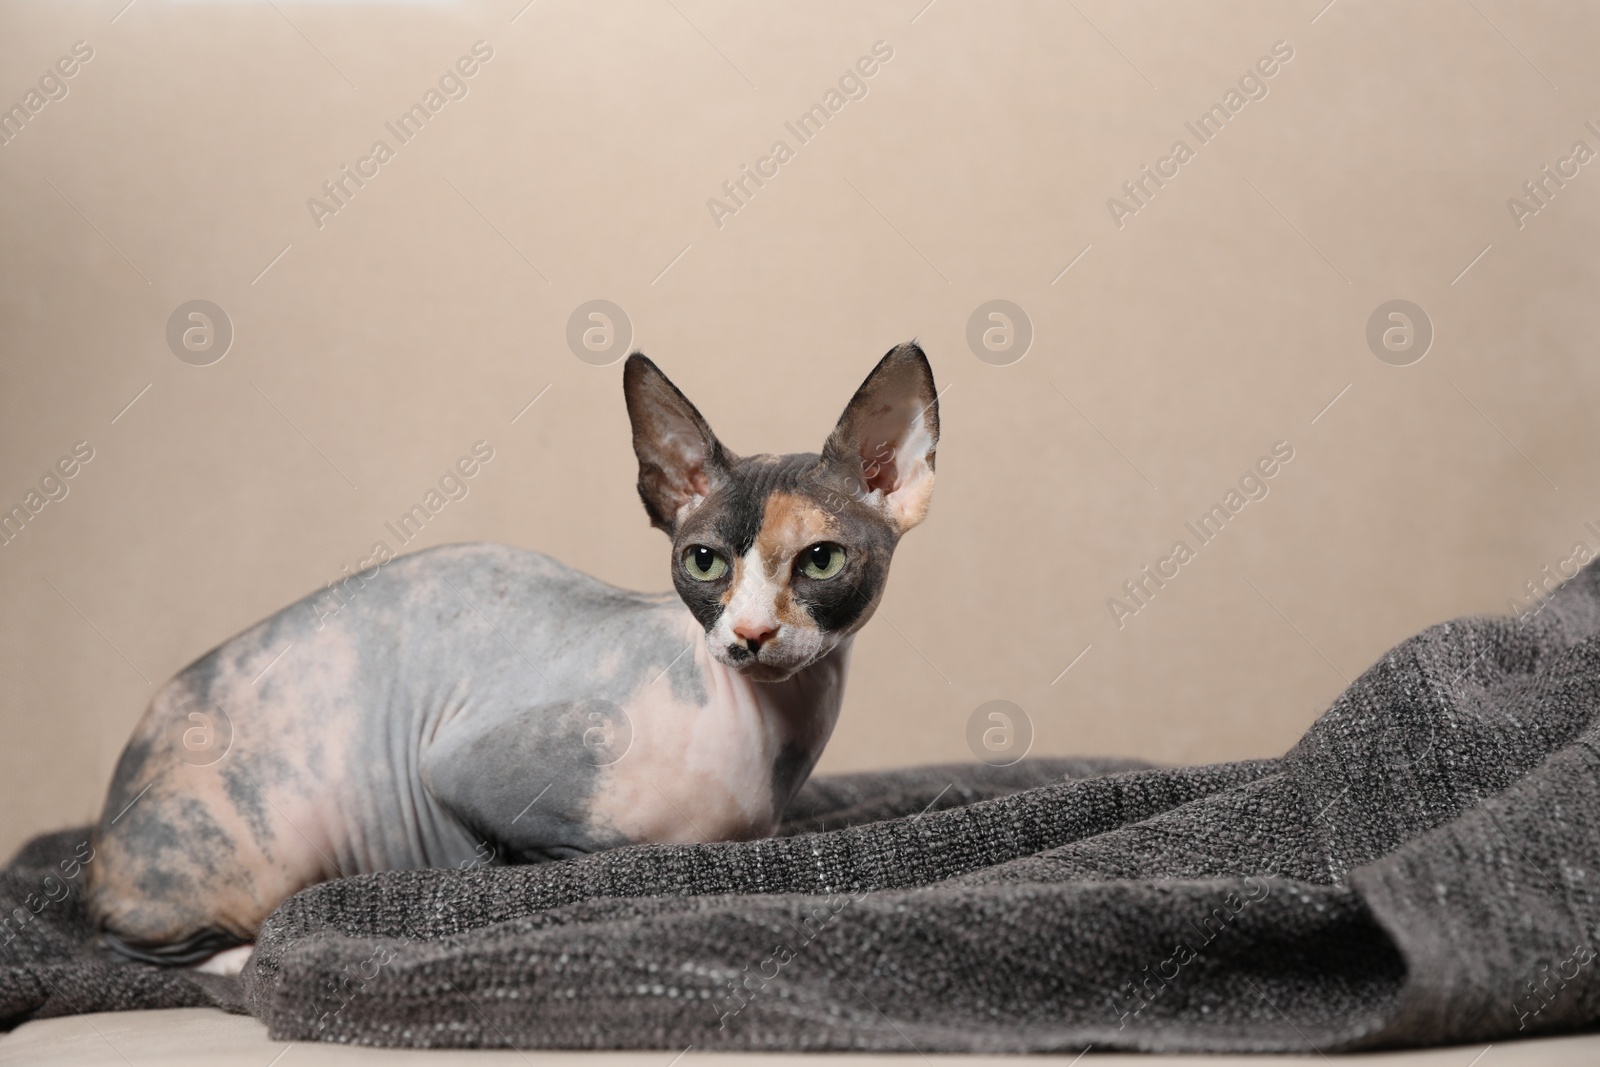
x=1223 y=317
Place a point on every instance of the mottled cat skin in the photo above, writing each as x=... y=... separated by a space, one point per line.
x=479 y=703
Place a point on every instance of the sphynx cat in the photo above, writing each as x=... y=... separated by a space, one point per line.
x=480 y=703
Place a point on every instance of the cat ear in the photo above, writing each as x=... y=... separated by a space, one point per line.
x=886 y=438
x=679 y=457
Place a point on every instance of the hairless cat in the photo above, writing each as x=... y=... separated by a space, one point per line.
x=479 y=702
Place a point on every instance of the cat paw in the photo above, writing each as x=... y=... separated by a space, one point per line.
x=229 y=961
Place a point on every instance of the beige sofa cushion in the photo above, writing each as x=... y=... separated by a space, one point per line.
x=182 y=1037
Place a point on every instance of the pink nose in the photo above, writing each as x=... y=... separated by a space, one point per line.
x=754 y=634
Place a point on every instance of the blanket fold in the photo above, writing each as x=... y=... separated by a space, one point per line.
x=1420 y=868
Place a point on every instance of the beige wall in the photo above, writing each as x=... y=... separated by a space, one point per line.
x=1219 y=319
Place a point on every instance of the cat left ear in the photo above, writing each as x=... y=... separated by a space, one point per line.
x=885 y=441
x=679 y=456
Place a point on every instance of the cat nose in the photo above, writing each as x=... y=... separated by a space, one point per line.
x=754 y=634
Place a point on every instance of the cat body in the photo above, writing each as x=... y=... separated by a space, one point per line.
x=485 y=704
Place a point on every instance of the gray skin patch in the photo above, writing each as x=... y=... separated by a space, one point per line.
x=688 y=683
x=248 y=802
x=789 y=772
x=524 y=782
x=176 y=852
x=130 y=769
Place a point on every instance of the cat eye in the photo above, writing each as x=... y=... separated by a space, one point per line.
x=822 y=560
x=704 y=564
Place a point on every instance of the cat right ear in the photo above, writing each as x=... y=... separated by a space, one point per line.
x=884 y=443
x=679 y=457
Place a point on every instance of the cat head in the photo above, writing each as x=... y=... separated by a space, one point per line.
x=782 y=557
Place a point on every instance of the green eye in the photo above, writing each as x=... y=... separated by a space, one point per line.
x=822 y=560
x=703 y=564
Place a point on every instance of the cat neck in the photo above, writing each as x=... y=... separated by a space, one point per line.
x=804 y=706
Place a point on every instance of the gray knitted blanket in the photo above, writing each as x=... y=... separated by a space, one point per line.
x=1422 y=867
